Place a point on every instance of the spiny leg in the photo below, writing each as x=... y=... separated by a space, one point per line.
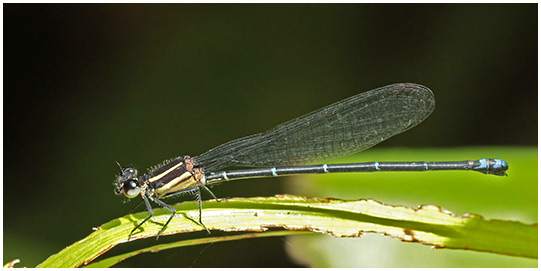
x=171 y=217
x=150 y=211
x=210 y=192
x=198 y=198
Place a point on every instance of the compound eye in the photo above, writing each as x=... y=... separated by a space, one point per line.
x=130 y=189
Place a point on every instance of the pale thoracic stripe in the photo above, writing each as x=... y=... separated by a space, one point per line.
x=157 y=177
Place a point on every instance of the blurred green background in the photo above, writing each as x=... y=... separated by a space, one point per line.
x=87 y=85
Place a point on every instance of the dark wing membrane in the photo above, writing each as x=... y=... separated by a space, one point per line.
x=345 y=127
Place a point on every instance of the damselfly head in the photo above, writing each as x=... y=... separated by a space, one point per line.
x=127 y=183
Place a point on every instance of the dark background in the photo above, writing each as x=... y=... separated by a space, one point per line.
x=87 y=85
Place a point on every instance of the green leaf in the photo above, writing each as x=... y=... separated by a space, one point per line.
x=116 y=259
x=428 y=225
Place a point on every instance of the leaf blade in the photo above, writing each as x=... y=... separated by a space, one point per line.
x=429 y=225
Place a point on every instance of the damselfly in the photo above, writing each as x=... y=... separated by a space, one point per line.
x=345 y=127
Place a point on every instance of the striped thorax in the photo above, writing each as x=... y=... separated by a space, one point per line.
x=172 y=178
